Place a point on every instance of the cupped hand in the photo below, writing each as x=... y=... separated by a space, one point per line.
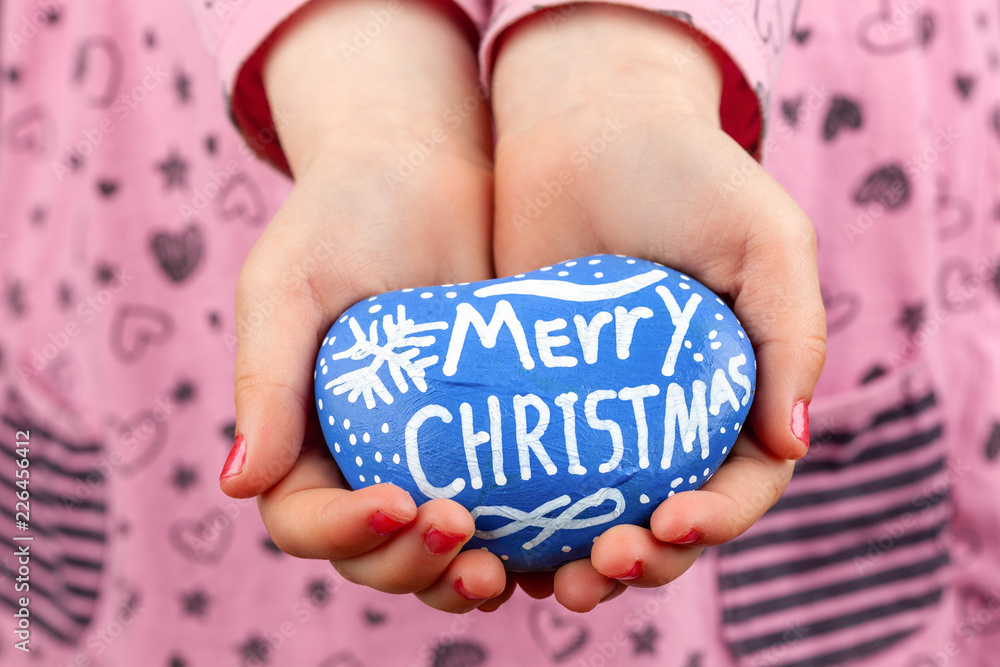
x=618 y=149
x=388 y=194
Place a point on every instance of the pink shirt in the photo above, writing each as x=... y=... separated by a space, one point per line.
x=129 y=204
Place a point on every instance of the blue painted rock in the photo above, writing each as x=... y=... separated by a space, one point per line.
x=553 y=405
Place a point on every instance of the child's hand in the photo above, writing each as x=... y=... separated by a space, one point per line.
x=345 y=233
x=610 y=142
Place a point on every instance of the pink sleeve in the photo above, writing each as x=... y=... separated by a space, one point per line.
x=238 y=34
x=750 y=37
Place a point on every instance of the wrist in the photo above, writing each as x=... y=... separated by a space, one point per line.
x=630 y=58
x=350 y=100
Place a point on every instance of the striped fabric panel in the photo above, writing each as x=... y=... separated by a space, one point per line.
x=68 y=514
x=853 y=556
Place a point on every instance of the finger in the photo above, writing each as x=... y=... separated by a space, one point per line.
x=470 y=580
x=580 y=588
x=633 y=556
x=779 y=303
x=745 y=486
x=538 y=585
x=416 y=556
x=307 y=519
x=495 y=603
x=274 y=370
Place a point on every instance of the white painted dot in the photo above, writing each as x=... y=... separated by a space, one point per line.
x=448 y=285
x=644 y=499
x=462 y=284
x=343 y=319
x=325 y=341
x=504 y=557
x=385 y=428
x=426 y=295
x=407 y=290
x=520 y=275
x=571 y=264
x=366 y=437
x=563 y=273
x=353 y=439
x=687 y=344
x=692 y=479
x=565 y=550
x=451 y=295
x=325 y=368
x=716 y=345
x=336 y=447
x=322 y=362
x=378 y=457
x=395 y=458
x=630 y=261
x=712 y=334
x=331 y=341
x=698 y=356
x=378 y=480
x=706 y=472
x=722 y=429
x=361 y=477
x=721 y=302
x=598 y=275
x=671 y=493
x=347 y=423
x=677 y=482
x=740 y=334
x=594 y=261
x=374 y=309
x=684 y=286
x=545 y=268
x=320 y=402
x=725 y=449
x=737 y=426
x=718 y=316
x=330 y=419
x=357 y=460
x=683 y=277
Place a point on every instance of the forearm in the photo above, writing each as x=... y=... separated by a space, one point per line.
x=627 y=57
x=349 y=100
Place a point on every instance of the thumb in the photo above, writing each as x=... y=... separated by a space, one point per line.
x=779 y=303
x=278 y=321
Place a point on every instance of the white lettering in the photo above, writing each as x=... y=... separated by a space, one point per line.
x=503 y=314
x=413 y=455
x=681 y=320
x=531 y=441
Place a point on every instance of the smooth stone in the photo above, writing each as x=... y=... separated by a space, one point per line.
x=553 y=405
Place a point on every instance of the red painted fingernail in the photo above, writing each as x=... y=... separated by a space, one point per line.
x=689 y=537
x=800 y=422
x=634 y=573
x=383 y=524
x=439 y=542
x=237 y=459
x=464 y=592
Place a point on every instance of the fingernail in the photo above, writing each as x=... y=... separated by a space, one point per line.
x=800 y=422
x=237 y=459
x=634 y=573
x=689 y=537
x=439 y=542
x=464 y=592
x=383 y=524
x=612 y=594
